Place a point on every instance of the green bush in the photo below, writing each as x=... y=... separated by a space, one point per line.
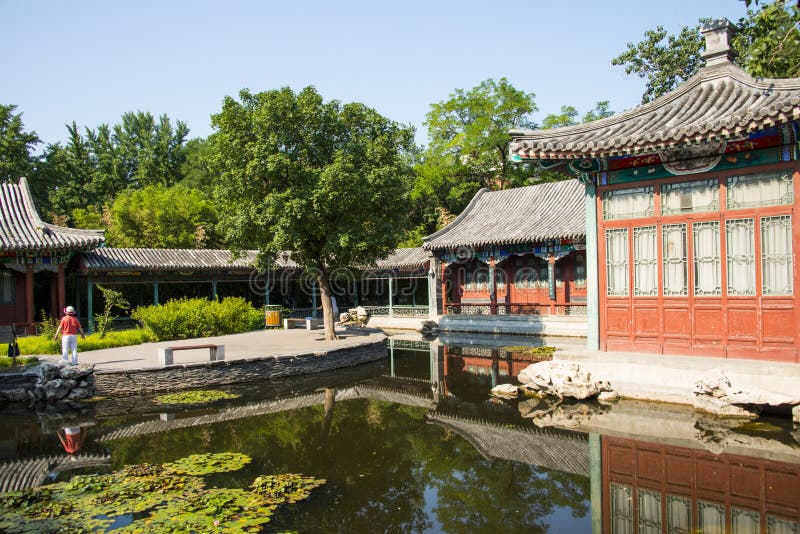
x=190 y=318
x=45 y=344
x=16 y=364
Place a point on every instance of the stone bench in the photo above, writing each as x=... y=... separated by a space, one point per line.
x=217 y=352
x=308 y=324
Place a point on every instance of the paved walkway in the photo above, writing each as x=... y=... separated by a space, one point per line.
x=256 y=344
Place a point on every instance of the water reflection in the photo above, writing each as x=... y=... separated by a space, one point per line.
x=415 y=444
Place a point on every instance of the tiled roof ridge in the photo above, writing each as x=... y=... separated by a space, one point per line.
x=705 y=75
x=22 y=228
x=528 y=214
x=439 y=233
x=720 y=102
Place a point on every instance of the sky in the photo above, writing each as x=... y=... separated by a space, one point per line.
x=92 y=61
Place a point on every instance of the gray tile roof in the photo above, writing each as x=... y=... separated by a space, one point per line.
x=21 y=228
x=720 y=102
x=523 y=215
x=404 y=259
x=153 y=259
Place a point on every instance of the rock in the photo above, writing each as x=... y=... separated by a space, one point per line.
x=718 y=394
x=344 y=317
x=49 y=371
x=506 y=390
x=562 y=379
x=361 y=314
x=796 y=414
x=720 y=408
x=56 y=389
x=568 y=415
x=76 y=371
x=38 y=392
x=70 y=384
x=15 y=395
x=608 y=396
x=79 y=393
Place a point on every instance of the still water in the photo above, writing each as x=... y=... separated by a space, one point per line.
x=416 y=444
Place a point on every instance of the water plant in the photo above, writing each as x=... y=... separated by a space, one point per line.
x=197 y=396
x=203 y=464
x=540 y=353
x=154 y=498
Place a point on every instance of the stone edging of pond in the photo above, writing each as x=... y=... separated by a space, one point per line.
x=222 y=372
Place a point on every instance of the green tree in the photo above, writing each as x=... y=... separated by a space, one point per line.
x=161 y=217
x=468 y=149
x=113 y=299
x=15 y=145
x=326 y=180
x=767 y=44
x=194 y=169
x=601 y=110
x=95 y=165
x=567 y=117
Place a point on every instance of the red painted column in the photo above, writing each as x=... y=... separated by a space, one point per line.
x=29 y=294
x=444 y=290
x=62 y=292
x=492 y=286
x=553 y=290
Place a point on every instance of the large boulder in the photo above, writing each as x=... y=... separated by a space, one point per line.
x=718 y=394
x=50 y=370
x=14 y=395
x=75 y=372
x=561 y=379
x=56 y=389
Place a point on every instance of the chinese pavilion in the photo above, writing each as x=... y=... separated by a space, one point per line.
x=693 y=198
x=34 y=255
x=515 y=252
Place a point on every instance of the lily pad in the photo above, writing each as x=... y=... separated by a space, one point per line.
x=287 y=487
x=203 y=464
x=158 y=498
x=198 y=396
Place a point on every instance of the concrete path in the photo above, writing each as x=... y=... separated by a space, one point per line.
x=258 y=343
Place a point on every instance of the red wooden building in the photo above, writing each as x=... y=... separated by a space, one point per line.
x=693 y=196
x=34 y=257
x=515 y=252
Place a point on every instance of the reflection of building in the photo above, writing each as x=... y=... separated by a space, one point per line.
x=691 y=198
x=648 y=487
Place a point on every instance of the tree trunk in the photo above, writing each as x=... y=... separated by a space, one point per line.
x=327 y=307
x=330 y=401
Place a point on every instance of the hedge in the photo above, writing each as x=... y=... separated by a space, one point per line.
x=191 y=318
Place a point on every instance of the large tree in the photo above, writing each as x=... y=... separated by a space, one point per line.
x=326 y=180
x=16 y=145
x=767 y=44
x=468 y=149
x=95 y=165
x=161 y=217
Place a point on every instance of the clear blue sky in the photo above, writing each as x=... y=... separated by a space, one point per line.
x=91 y=61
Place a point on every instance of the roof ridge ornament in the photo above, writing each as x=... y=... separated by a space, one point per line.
x=718 y=34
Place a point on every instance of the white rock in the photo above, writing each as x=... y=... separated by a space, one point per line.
x=796 y=414
x=715 y=406
x=562 y=379
x=607 y=396
x=505 y=390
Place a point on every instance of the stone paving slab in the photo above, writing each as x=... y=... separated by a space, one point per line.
x=249 y=345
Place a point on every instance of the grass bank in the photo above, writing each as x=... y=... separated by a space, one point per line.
x=45 y=344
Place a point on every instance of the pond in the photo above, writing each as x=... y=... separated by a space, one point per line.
x=416 y=444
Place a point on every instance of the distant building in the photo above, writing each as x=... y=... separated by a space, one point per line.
x=693 y=199
x=34 y=256
x=514 y=252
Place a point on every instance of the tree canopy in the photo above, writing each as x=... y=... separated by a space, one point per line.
x=326 y=180
x=16 y=145
x=95 y=165
x=767 y=44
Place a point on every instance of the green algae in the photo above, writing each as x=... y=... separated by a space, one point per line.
x=161 y=498
x=198 y=396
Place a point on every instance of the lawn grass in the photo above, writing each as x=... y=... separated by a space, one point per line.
x=45 y=344
x=7 y=365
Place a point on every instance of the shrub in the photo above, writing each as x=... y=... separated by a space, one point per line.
x=16 y=364
x=189 y=318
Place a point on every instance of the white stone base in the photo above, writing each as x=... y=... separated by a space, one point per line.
x=396 y=323
x=659 y=377
x=539 y=325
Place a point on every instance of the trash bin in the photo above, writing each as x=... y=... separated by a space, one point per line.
x=272 y=316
